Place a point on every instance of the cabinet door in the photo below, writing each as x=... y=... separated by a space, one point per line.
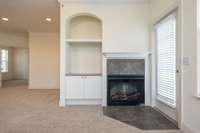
x=92 y=87
x=75 y=89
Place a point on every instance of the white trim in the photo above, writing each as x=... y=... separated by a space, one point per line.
x=198 y=49
x=83 y=102
x=142 y=55
x=134 y=55
x=105 y=1
x=166 y=18
x=166 y=12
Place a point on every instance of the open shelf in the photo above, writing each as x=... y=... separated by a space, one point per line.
x=85 y=58
x=83 y=46
x=83 y=40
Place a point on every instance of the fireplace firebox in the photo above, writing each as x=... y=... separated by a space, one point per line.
x=125 y=90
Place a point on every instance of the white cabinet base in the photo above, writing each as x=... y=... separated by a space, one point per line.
x=83 y=90
x=84 y=101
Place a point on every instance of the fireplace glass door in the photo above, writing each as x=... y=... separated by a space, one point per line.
x=125 y=90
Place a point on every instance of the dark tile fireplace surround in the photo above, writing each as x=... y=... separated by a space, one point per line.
x=126 y=87
x=125 y=82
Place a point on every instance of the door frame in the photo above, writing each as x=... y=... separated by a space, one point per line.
x=179 y=65
x=177 y=11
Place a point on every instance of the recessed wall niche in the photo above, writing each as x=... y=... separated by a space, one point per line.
x=84 y=27
x=84 y=45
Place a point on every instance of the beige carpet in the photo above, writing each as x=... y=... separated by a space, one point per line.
x=37 y=111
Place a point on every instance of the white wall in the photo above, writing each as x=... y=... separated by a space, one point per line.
x=20 y=63
x=44 y=60
x=190 y=104
x=125 y=26
x=13 y=39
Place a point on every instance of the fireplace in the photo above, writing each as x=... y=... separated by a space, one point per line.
x=125 y=82
x=125 y=90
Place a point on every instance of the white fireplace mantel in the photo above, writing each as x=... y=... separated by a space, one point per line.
x=142 y=55
x=134 y=55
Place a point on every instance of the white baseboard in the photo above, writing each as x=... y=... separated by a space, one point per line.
x=83 y=101
x=42 y=88
x=185 y=128
x=62 y=102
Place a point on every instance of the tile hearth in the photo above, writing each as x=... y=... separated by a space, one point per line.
x=145 y=118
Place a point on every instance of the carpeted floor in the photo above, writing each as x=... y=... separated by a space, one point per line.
x=36 y=111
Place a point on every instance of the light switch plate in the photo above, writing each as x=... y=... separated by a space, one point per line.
x=186 y=61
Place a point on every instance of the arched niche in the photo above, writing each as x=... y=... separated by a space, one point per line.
x=84 y=26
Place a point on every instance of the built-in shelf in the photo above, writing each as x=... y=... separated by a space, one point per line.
x=83 y=60
x=84 y=40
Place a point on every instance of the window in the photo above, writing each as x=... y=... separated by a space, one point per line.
x=4 y=60
x=198 y=45
x=166 y=60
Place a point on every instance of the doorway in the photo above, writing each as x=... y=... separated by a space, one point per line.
x=167 y=66
x=14 y=66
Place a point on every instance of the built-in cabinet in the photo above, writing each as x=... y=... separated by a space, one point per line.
x=83 y=60
x=75 y=87
x=83 y=87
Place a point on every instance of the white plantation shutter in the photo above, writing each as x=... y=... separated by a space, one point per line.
x=166 y=60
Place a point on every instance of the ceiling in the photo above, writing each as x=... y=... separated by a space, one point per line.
x=29 y=15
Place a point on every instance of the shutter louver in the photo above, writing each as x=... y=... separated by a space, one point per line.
x=166 y=60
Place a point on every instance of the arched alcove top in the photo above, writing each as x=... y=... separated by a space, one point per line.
x=84 y=14
x=84 y=26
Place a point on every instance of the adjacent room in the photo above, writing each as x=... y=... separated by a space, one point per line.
x=14 y=65
x=99 y=66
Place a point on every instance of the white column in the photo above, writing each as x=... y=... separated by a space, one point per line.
x=104 y=82
x=62 y=102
